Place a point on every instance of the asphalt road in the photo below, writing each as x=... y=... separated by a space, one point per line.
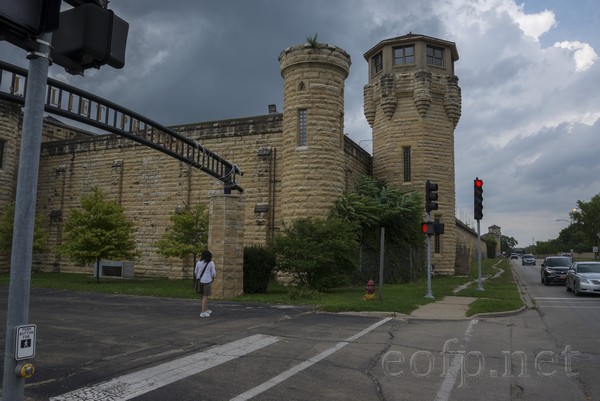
x=571 y=321
x=117 y=347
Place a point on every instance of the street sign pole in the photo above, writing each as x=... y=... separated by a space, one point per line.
x=13 y=386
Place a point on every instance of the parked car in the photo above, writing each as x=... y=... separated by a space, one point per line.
x=584 y=277
x=528 y=259
x=554 y=269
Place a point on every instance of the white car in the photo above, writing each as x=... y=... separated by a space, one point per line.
x=584 y=277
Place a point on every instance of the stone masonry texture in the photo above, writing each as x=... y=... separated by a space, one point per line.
x=282 y=181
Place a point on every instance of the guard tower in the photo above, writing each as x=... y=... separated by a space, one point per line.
x=413 y=103
x=312 y=159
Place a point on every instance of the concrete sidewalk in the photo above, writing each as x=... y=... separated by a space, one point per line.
x=448 y=307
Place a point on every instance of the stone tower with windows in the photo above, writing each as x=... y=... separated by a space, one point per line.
x=413 y=102
x=312 y=150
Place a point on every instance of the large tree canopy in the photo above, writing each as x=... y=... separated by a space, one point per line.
x=373 y=205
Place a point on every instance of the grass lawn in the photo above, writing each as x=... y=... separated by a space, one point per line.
x=501 y=294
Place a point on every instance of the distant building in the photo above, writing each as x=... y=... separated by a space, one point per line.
x=496 y=232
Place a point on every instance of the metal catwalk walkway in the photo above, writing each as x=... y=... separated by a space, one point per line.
x=67 y=101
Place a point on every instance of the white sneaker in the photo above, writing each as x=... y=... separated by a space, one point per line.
x=204 y=314
x=208 y=311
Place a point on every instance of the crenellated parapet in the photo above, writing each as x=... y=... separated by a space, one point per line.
x=319 y=54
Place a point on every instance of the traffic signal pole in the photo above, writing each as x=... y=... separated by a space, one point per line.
x=13 y=385
x=429 y=293
x=479 y=282
x=478 y=213
x=431 y=196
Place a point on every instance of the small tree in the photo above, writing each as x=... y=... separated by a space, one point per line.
x=7 y=217
x=318 y=254
x=188 y=235
x=99 y=230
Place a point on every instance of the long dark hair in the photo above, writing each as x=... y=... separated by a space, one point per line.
x=206 y=256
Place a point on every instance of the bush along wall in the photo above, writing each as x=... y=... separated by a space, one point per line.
x=259 y=264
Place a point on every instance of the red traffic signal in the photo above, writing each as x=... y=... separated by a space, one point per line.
x=478 y=198
x=427 y=228
x=432 y=228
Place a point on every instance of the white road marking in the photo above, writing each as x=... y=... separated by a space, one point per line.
x=137 y=383
x=253 y=392
x=570 y=306
x=443 y=393
x=566 y=299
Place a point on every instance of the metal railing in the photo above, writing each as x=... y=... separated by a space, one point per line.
x=78 y=105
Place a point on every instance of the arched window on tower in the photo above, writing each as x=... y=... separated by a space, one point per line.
x=301 y=87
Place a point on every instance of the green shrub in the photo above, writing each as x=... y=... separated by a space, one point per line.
x=259 y=263
x=317 y=254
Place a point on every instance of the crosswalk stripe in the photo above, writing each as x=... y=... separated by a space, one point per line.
x=137 y=383
x=253 y=392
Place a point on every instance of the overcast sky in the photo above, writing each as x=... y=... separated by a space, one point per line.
x=529 y=73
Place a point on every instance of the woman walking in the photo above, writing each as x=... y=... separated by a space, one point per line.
x=205 y=273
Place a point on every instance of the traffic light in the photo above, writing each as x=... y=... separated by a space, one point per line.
x=428 y=228
x=478 y=198
x=431 y=228
x=89 y=36
x=21 y=21
x=431 y=196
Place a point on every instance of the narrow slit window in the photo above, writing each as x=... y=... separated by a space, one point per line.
x=302 y=127
x=437 y=242
x=2 y=142
x=406 y=163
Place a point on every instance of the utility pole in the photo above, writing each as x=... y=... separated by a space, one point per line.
x=13 y=383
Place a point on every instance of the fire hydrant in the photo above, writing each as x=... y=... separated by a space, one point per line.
x=370 y=295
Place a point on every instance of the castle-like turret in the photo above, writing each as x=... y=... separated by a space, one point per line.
x=312 y=161
x=413 y=103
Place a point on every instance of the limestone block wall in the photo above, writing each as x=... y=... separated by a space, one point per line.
x=151 y=186
x=10 y=135
x=357 y=162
